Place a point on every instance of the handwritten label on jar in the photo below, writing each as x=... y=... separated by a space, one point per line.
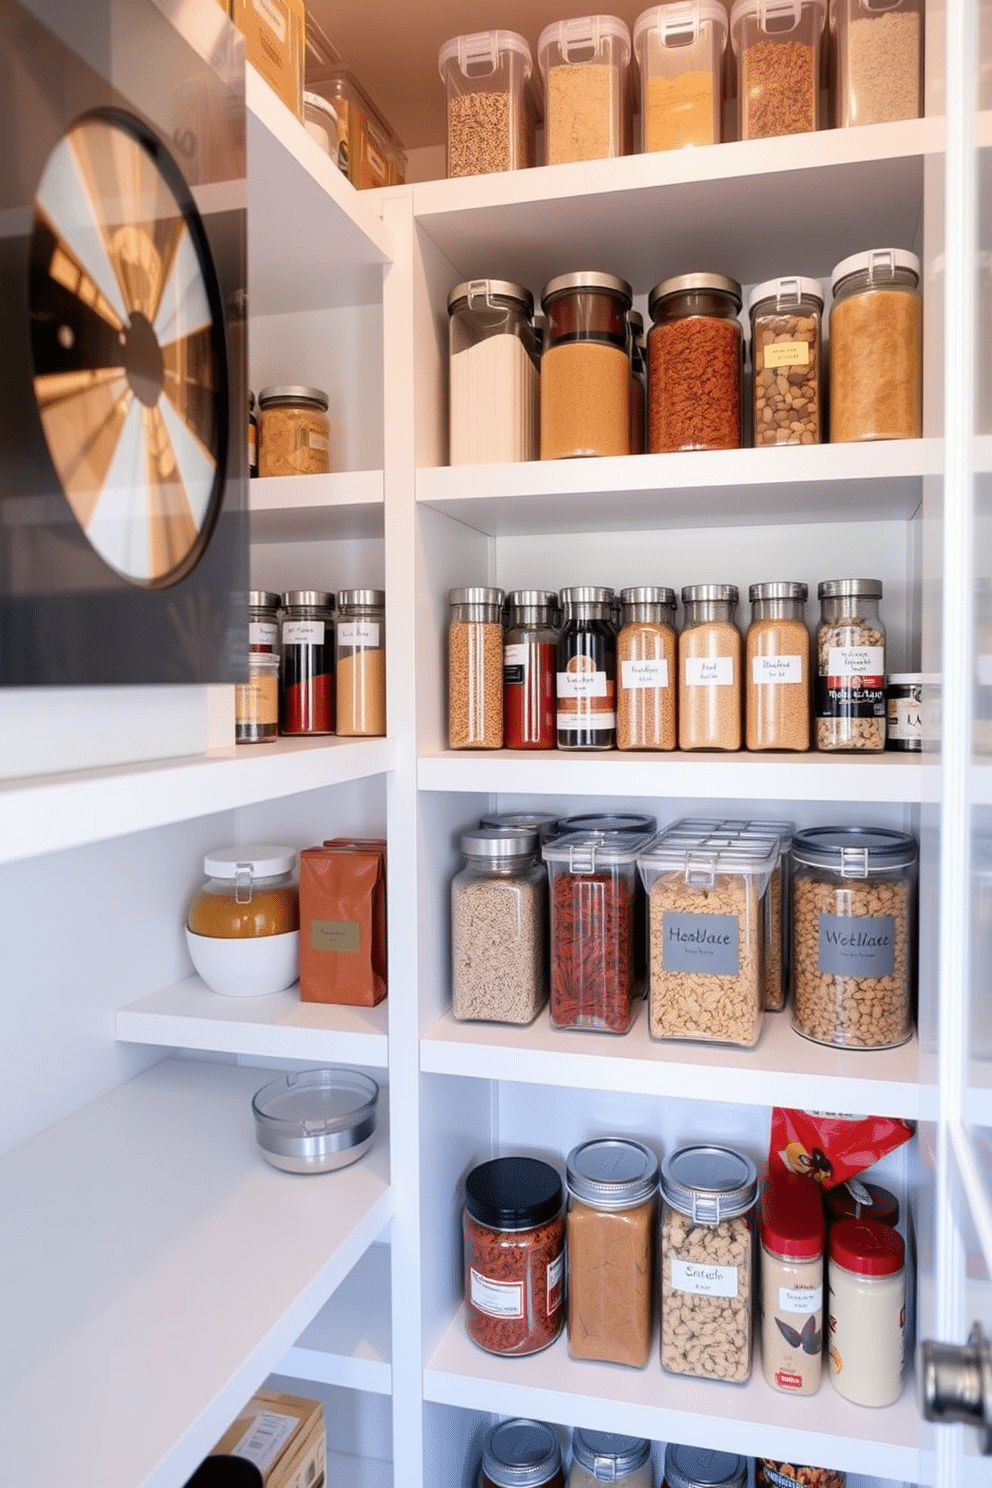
x=318 y=441
x=360 y=633
x=787 y=354
x=703 y=943
x=856 y=661
x=704 y=1281
x=857 y=945
x=803 y=1300
x=775 y=669
x=705 y=671
x=303 y=633
x=262 y=635
x=583 y=685
x=501 y=1299
x=643 y=674
x=556 y=1273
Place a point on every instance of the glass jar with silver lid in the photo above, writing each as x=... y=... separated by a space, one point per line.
x=498 y=928
x=700 y=1467
x=849 y=697
x=521 y=1454
x=606 y=1457
x=294 y=433
x=492 y=373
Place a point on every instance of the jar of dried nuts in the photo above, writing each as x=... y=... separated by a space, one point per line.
x=499 y=905
x=786 y=361
x=293 y=431
x=699 y=1467
x=605 y=1457
x=514 y=1232
x=776 y=664
x=876 y=347
x=707 y=1262
x=521 y=1454
x=710 y=656
x=646 y=670
x=695 y=364
x=475 y=669
x=849 y=698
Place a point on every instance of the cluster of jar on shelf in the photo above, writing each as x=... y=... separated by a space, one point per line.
x=580 y=381
x=590 y=88
x=589 y=670
x=289 y=432
x=322 y=670
x=599 y=1263
x=715 y=921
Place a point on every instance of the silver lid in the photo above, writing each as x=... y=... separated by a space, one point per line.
x=316 y=599
x=586 y=594
x=703 y=593
x=372 y=599
x=544 y=823
x=849 y=589
x=271 y=397
x=606 y=1455
x=499 y=843
x=263 y=599
x=709 y=1183
x=700 y=1467
x=586 y=279
x=522 y=598
x=612 y=1172
x=476 y=293
x=477 y=595
x=521 y=1454
x=783 y=590
x=648 y=594
x=681 y=283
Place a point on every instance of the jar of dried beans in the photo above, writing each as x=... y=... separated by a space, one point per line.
x=853 y=933
x=492 y=373
x=787 y=362
x=606 y=1457
x=867 y=1289
x=876 y=347
x=475 y=669
x=879 y=60
x=521 y=1454
x=776 y=665
x=587 y=670
x=306 y=675
x=791 y=1283
x=610 y=1247
x=679 y=48
x=585 y=64
x=849 y=698
x=647 y=670
x=361 y=662
x=499 y=904
x=585 y=366
x=707 y=1262
x=777 y=43
x=695 y=364
x=710 y=656
x=529 y=666
x=700 y=1467
x=514 y=1232
x=487 y=78
x=294 y=436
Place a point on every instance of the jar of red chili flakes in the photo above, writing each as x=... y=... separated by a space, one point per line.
x=695 y=364
x=514 y=1231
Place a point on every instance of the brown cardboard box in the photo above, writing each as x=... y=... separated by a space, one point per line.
x=275 y=44
x=284 y=1436
x=343 y=922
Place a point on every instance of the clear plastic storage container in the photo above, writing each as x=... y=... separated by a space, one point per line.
x=367 y=150
x=491 y=114
x=879 y=72
x=499 y=905
x=585 y=64
x=787 y=362
x=493 y=374
x=777 y=44
x=695 y=364
x=679 y=49
x=876 y=347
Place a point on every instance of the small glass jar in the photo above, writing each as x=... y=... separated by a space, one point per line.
x=638 y=381
x=514 y=1232
x=646 y=670
x=256 y=701
x=695 y=364
x=530 y=662
x=867 y=1281
x=252 y=434
x=710 y=655
x=610 y=1249
x=521 y=1454
x=777 y=43
x=306 y=674
x=879 y=61
x=776 y=666
x=904 y=712
x=294 y=434
x=487 y=78
x=493 y=376
x=853 y=935
x=700 y=1467
x=791 y=1283
x=585 y=64
x=586 y=682
x=585 y=366
x=876 y=347
x=849 y=698
x=787 y=361
x=475 y=669
x=499 y=906
x=361 y=662
x=679 y=48
x=606 y=1457
x=263 y=621
x=769 y=1472
x=249 y=892
x=707 y=1262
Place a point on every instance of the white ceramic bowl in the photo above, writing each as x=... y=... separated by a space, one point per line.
x=246 y=968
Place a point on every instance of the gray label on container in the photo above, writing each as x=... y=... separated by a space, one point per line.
x=857 y=945
x=702 y=943
x=334 y=935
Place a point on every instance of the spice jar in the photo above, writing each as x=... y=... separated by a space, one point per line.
x=876 y=347
x=585 y=366
x=787 y=361
x=521 y=1454
x=707 y=1262
x=867 y=1281
x=695 y=364
x=856 y=1199
x=638 y=381
x=487 y=78
x=252 y=434
x=646 y=670
x=879 y=61
x=361 y=662
x=776 y=665
x=610 y=1250
x=529 y=667
x=849 y=698
x=679 y=48
x=293 y=431
x=777 y=43
x=499 y=904
x=791 y=1283
x=585 y=63
x=699 y=1467
x=606 y=1457
x=904 y=712
x=492 y=373
x=853 y=932
x=587 y=670
x=256 y=701
x=307 y=692
x=710 y=650
x=514 y=1232
x=263 y=621
x=475 y=669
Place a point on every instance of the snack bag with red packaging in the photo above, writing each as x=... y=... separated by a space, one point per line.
x=829 y=1148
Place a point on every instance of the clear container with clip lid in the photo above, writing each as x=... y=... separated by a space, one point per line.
x=876 y=347
x=585 y=64
x=679 y=48
x=879 y=48
x=249 y=891
x=787 y=362
x=607 y=1457
x=491 y=102
x=777 y=43
x=493 y=373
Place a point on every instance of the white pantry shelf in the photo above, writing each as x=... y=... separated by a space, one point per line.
x=750 y=1419
x=357 y=1472
x=349 y=1341
x=317 y=508
x=782 y=1069
x=188 y=1015
x=157 y=1270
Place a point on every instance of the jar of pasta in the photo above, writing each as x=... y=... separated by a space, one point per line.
x=585 y=63
x=513 y=1227
x=646 y=670
x=695 y=364
x=710 y=656
x=294 y=435
x=876 y=347
x=585 y=366
x=475 y=669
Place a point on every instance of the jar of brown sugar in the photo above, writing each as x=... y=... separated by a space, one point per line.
x=646 y=670
x=876 y=347
x=695 y=363
x=786 y=360
x=585 y=366
x=361 y=662
x=776 y=666
x=294 y=435
x=513 y=1226
x=710 y=669
x=475 y=669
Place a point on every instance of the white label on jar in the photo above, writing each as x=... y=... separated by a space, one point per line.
x=983 y=666
x=855 y=661
x=501 y=1299
x=804 y=1300
x=787 y=354
x=582 y=685
x=905 y=719
x=273 y=15
x=770 y=669
x=303 y=632
x=704 y=1281
x=265 y=1438
x=556 y=1270
x=262 y=632
x=515 y=655
x=638 y=674
x=318 y=441
x=358 y=633
x=705 y=671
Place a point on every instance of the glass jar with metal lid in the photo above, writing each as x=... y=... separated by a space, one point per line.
x=699 y=1467
x=695 y=364
x=610 y=1250
x=876 y=347
x=475 y=669
x=521 y=1454
x=710 y=655
x=607 y=1457
x=529 y=667
x=361 y=662
x=513 y=1227
x=776 y=668
x=294 y=434
x=499 y=905
x=263 y=621
x=492 y=373
x=707 y=1262
x=256 y=700
x=849 y=697
x=786 y=361
x=585 y=366
x=853 y=933
x=638 y=381
x=306 y=675
x=647 y=679
x=544 y=823
x=587 y=670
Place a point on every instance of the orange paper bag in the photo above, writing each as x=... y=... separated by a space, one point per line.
x=343 y=922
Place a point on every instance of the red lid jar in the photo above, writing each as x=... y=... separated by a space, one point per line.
x=867 y=1248
x=791 y=1283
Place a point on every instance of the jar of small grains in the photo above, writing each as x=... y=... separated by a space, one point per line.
x=475 y=669
x=710 y=656
x=879 y=60
x=585 y=366
x=487 y=78
x=585 y=63
x=499 y=904
x=787 y=375
x=776 y=665
x=695 y=364
x=294 y=435
x=514 y=1234
x=876 y=347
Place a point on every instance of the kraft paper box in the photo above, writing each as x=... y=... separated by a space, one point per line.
x=284 y=1436
x=275 y=44
x=343 y=922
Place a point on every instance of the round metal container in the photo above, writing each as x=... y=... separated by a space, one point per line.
x=316 y=1120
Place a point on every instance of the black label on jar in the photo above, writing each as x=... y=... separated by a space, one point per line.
x=857 y=945
x=850 y=697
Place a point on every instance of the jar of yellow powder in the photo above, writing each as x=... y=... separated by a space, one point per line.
x=679 y=49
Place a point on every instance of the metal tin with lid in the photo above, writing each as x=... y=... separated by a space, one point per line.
x=316 y=1120
x=513 y=1227
x=585 y=366
x=521 y=1454
x=699 y=1467
x=607 y=1457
